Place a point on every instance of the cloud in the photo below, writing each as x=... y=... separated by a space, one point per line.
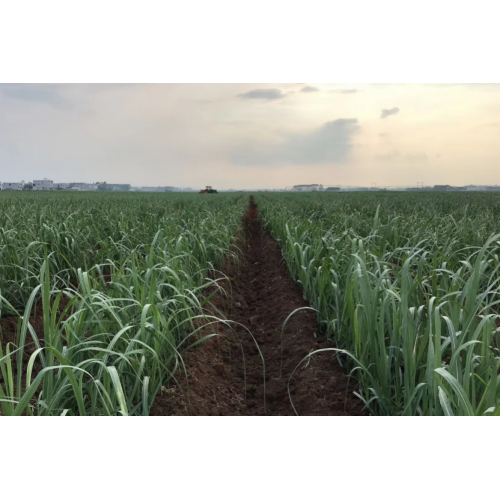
x=346 y=91
x=45 y=93
x=330 y=143
x=268 y=94
x=308 y=88
x=389 y=112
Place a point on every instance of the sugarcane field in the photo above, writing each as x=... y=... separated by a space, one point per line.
x=319 y=303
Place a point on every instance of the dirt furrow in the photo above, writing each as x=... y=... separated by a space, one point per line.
x=258 y=298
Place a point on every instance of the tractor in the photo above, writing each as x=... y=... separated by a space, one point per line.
x=208 y=190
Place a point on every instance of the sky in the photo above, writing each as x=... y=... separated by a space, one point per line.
x=251 y=136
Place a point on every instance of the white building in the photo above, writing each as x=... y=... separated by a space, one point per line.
x=12 y=186
x=83 y=186
x=306 y=188
x=45 y=185
x=61 y=185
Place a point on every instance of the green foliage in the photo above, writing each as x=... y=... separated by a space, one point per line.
x=126 y=272
x=408 y=283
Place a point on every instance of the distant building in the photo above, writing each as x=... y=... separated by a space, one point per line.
x=332 y=189
x=82 y=186
x=301 y=188
x=113 y=187
x=12 y=186
x=45 y=185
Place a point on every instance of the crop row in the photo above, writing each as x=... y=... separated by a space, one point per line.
x=407 y=287
x=117 y=281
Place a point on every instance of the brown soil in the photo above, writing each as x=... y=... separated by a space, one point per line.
x=258 y=297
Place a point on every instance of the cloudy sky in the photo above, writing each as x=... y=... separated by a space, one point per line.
x=259 y=135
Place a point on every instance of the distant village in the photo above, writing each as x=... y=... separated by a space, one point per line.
x=49 y=185
x=304 y=188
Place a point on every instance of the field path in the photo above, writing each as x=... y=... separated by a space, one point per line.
x=259 y=296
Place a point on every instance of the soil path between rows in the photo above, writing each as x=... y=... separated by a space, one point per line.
x=258 y=297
